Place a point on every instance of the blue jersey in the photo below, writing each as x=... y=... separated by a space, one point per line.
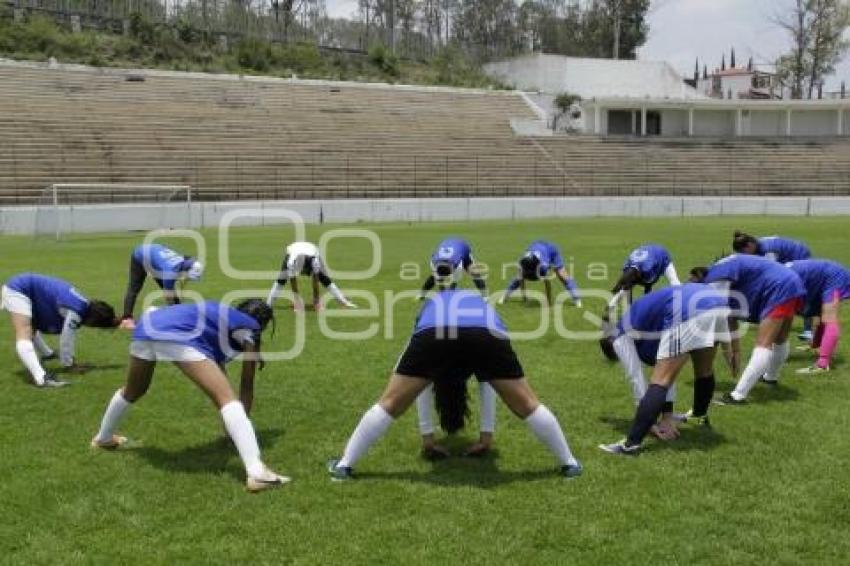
x=823 y=279
x=208 y=327
x=48 y=295
x=784 y=249
x=650 y=260
x=458 y=309
x=454 y=251
x=661 y=310
x=164 y=264
x=761 y=285
x=548 y=254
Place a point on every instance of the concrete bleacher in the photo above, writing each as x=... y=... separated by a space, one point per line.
x=254 y=138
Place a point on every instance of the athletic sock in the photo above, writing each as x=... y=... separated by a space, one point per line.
x=757 y=367
x=703 y=392
x=546 y=428
x=371 y=428
x=512 y=286
x=118 y=405
x=572 y=288
x=777 y=360
x=831 y=334
x=480 y=285
x=647 y=413
x=334 y=290
x=241 y=431
x=274 y=292
x=40 y=345
x=26 y=352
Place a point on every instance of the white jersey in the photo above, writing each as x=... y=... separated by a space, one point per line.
x=297 y=254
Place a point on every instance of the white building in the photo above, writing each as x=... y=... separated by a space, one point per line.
x=746 y=82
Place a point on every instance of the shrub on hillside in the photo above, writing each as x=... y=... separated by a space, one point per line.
x=384 y=60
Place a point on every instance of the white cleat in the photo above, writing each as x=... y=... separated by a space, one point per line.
x=113 y=443
x=268 y=480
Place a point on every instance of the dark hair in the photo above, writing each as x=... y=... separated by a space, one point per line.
x=259 y=310
x=528 y=265
x=629 y=278
x=698 y=274
x=451 y=401
x=443 y=269
x=741 y=240
x=100 y=314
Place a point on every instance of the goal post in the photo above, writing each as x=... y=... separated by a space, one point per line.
x=64 y=208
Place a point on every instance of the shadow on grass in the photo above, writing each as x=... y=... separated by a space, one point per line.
x=89 y=369
x=764 y=394
x=214 y=456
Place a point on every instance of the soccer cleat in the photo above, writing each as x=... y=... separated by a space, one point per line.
x=339 y=473
x=578 y=304
x=812 y=370
x=349 y=305
x=50 y=381
x=268 y=480
x=113 y=443
x=620 y=448
x=727 y=400
x=703 y=420
x=805 y=335
x=571 y=471
x=434 y=453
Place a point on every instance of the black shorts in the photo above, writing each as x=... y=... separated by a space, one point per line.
x=471 y=351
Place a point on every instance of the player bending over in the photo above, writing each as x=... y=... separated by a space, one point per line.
x=762 y=292
x=448 y=262
x=774 y=248
x=166 y=267
x=539 y=258
x=456 y=330
x=644 y=267
x=670 y=327
x=302 y=258
x=39 y=304
x=827 y=283
x=200 y=338
x=450 y=396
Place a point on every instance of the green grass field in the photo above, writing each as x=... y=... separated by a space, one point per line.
x=768 y=484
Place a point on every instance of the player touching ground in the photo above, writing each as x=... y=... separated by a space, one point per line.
x=827 y=283
x=665 y=329
x=166 y=267
x=644 y=266
x=765 y=293
x=448 y=262
x=39 y=304
x=450 y=396
x=302 y=258
x=539 y=258
x=456 y=330
x=200 y=338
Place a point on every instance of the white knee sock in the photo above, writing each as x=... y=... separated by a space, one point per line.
x=372 y=427
x=26 y=351
x=40 y=345
x=337 y=294
x=546 y=428
x=241 y=431
x=757 y=366
x=777 y=360
x=112 y=417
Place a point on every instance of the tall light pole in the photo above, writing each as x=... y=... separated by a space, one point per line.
x=618 y=4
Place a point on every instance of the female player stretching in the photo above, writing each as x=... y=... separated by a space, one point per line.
x=456 y=330
x=166 y=267
x=766 y=293
x=827 y=283
x=200 y=338
x=775 y=248
x=644 y=266
x=451 y=258
x=39 y=304
x=665 y=329
x=302 y=258
x=540 y=257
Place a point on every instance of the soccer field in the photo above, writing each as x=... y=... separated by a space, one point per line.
x=768 y=483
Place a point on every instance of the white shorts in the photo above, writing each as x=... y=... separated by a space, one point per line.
x=16 y=302
x=154 y=351
x=698 y=333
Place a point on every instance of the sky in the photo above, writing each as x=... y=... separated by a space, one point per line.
x=683 y=30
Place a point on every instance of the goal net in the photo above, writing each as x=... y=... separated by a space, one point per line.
x=67 y=208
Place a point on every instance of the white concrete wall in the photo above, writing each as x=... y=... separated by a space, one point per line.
x=767 y=123
x=714 y=123
x=674 y=123
x=121 y=218
x=814 y=123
